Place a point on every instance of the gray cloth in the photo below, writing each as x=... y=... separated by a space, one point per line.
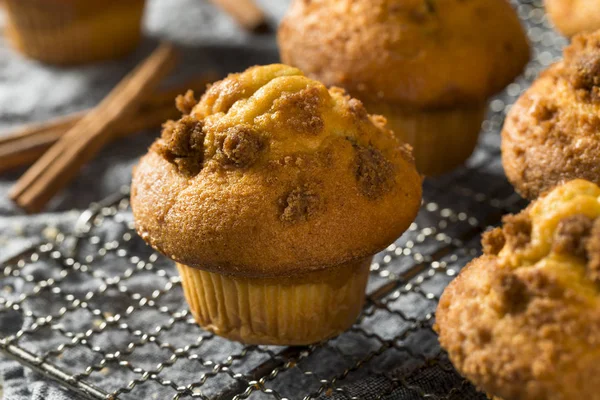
x=392 y=353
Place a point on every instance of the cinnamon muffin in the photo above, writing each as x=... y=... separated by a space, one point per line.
x=427 y=66
x=574 y=16
x=551 y=133
x=272 y=194
x=523 y=320
x=74 y=31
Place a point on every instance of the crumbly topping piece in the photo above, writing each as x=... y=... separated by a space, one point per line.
x=300 y=204
x=512 y=292
x=593 y=253
x=301 y=110
x=582 y=66
x=182 y=143
x=241 y=146
x=493 y=241
x=186 y=103
x=374 y=173
x=571 y=235
x=517 y=230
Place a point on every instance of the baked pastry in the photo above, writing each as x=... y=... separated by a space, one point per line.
x=272 y=194
x=74 y=31
x=428 y=67
x=574 y=16
x=523 y=320
x=551 y=133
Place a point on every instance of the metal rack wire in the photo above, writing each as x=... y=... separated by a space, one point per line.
x=117 y=311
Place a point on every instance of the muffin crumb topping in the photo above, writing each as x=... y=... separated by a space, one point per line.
x=374 y=172
x=301 y=110
x=182 y=143
x=517 y=229
x=582 y=60
x=186 y=103
x=593 y=253
x=241 y=146
x=300 y=204
x=571 y=235
x=493 y=241
x=512 y=291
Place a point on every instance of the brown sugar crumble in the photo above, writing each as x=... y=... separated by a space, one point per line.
x=301 y=110
x=571 y=235
x=517 y=230
x=583 y=67
x=186 y=103
x=241 y=146
x=373 y=172
x=593 y=253
x=493 y=241
x=182 y=143
x=512 y=291
x=300 y=204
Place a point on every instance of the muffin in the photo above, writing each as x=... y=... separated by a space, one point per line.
x=551 y=133
x=574 y=16
x=428 y=67
x=74 y=31
x=272 y=194
x=523 y=320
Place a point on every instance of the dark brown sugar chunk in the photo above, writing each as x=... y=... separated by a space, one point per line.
x=571 y=235
x=182 y=143
x=374 y=173
x=582 y=60
x=186 y=103
x=493 y=241
x=593 y=252
x=517 y=230
x=300 y=204
x=302 y=110
x=241 y=146
x=512 y=292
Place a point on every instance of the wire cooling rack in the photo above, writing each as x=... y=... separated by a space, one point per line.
x=101 y=313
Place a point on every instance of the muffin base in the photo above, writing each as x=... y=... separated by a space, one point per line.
x=442 y=139
x=297 y=310
x=74 y=31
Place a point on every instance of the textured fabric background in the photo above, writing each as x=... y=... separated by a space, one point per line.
x=33 y=92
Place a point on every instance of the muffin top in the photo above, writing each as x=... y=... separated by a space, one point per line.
x=271 y=174
x=420 y=53
x=574 y=16
x=551 y=133
x=523 y=321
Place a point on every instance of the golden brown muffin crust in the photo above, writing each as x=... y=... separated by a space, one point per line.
x=272 y=174
x=551 y=133
x=574 y=16
x=419 y=53
x=522 y=321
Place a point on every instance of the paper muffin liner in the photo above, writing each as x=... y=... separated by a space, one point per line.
x=296 y=310
x=442 y=139
x=74 y=31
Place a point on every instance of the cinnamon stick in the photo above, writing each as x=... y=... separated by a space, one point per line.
x=245 y=12
x=24 y=146
x=59 y=165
